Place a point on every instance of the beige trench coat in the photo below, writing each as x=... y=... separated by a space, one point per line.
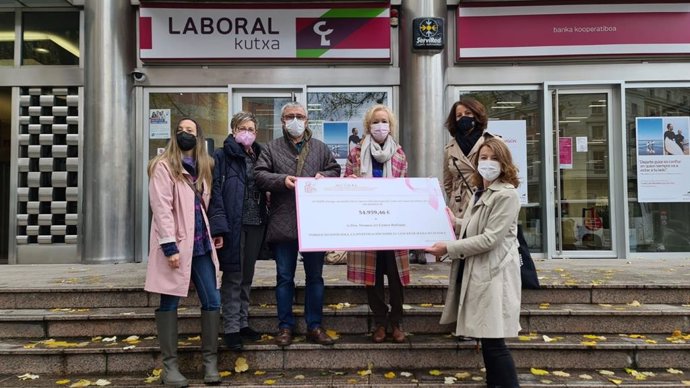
x=456 y=191
x=487 y=304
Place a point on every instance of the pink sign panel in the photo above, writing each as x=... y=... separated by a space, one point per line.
x=565 y=152
x=573 y=30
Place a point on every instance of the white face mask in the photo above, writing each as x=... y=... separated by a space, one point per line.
x=295 y=127
x=380 y=131
x=489 y=169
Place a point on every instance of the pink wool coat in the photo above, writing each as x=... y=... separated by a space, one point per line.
x=172 y=205
x=361 y=265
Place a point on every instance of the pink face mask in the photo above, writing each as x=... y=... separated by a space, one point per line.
x=380 y=131
x=245 y=138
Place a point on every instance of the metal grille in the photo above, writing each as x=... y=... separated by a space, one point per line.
x=48 y=166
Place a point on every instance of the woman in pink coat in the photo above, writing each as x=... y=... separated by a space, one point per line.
x=181 y=248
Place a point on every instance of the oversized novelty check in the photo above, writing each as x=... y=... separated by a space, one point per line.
x=352 y=214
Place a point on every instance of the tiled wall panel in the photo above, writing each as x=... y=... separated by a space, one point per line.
x=48 y=166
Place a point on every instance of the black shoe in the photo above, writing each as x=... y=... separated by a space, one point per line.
x=250 y=334
x=233 y=341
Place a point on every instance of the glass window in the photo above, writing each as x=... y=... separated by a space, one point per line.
x=6 y=39
x=50 y=38
x=210 y=110
x=523 y=105
x=337 y=116
x=657 y=226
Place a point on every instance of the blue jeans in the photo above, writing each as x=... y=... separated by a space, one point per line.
x=204 y=278
x=285 y=254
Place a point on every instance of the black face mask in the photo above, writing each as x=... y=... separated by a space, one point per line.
x=464 y=124
x=186 y=141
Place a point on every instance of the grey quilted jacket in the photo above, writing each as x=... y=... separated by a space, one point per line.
x=278 y=160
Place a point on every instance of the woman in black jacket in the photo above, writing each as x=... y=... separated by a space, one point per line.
x=237 y=216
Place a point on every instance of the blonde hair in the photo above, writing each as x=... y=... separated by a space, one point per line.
x=241 y=117
x=173 y=157
x=369 y=116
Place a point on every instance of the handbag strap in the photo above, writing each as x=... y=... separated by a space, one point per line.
x=464 y=180
x=196 y=193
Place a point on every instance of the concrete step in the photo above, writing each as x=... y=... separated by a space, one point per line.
x=354 y=319
x=71 y=356
x=52 y=297
x=469 y=378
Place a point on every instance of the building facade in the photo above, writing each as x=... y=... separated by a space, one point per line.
x=90 y=88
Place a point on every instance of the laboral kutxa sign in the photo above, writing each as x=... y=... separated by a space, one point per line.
x=264 y=31
x=572 y=30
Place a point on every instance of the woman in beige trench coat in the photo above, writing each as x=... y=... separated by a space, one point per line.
x=484 y=292
x=466 y=123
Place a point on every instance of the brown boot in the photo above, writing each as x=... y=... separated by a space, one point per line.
x=284 y=337
x=379 y=334
x=398 y=335
x=319 y=336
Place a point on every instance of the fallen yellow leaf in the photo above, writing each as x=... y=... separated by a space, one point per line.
x=102 y=382
x=685 y=382
x=595 y=337
x=544 y=306
x=650 y=341
x=546 y=381
x=63 y=382
x=449 y=380
x=463 y=375
x=225 y=373
x=364 y=372
x=241 y=365
x=299 y=377
x=405 y=374
x=606 y=372
x=435 y=372
x=389 y=375
x=333 y=334
x=269 y=382
x=259 y=373
x=352 y=381
x=616 y=381
x=196 y=338
x=425 y=305
x=560 y=373
x=477 y=378
x=674 y=371
x=585 y=377
x=80 y=383
x=634 y=303
x=589 y=343
x=538 y=372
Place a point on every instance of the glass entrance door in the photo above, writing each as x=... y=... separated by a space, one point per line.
x=266 y=104
x=582 y=176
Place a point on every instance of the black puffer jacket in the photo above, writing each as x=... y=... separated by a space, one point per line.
x=227 y=201
x=277 y=161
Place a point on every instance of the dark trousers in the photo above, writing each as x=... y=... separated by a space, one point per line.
x=499 y=364
x=386 y=265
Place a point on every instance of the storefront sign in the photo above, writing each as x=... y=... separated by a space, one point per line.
x=514 y=133
x=275 y=31
x=427 y=34
x=662 y=159
x=573 y=30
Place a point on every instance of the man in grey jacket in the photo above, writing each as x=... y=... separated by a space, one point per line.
x=296 y=154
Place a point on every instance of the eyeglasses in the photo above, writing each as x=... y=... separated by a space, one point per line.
x=248 y=129
x=295 y=116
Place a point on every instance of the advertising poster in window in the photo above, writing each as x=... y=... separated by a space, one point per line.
x=335 y=135
x=159 y=123
x=565 y=152
x=514 y=133
x=662 y=159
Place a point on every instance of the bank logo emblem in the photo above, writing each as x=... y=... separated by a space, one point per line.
x=320 y=29
x=428 y=28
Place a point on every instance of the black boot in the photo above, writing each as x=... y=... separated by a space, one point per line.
x=233 y=341
x=250 y=334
